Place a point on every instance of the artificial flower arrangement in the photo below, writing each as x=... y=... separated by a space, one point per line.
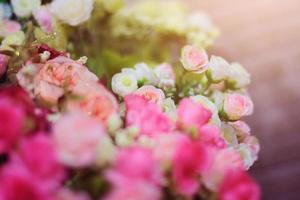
x=168 y=127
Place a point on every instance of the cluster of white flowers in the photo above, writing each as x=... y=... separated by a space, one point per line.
x=129 y=79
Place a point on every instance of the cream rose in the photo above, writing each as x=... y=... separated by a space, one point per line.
x=194 y=59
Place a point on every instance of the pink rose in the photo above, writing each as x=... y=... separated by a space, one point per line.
x=191 y=159
x=59 y=74
x=237 y=106
x=77 y=138
x=238 y=185
x=134 y=175
x=9 y=27
x=194 y=59
x=95 y=101
x=3 y=64
x=44 y=18
x=147 y=116
x=151 y=93
x=211 y=135
x=223 y=161
x=191 y=114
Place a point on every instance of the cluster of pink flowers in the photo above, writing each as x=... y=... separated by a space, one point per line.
x=64 y=135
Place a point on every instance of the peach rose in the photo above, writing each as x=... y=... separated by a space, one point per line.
x=58 y=75
x=96 y=101
x=194 y=59
x=151 y=93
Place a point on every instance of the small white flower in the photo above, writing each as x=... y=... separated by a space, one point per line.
x=72 y=12
x=229 y=134
x=165 y=74
x=238 y=77
x=169 y=107
x=219 y=68
x=218 y=99
x=123 y=84
x=204 y=101
x=145 y=74
x=24 y=8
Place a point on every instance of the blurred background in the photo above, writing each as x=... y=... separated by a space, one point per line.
x=264 y=36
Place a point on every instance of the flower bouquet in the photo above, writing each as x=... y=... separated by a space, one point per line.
x=117 y=100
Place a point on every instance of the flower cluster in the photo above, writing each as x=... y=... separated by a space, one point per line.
x=63 y=131
x=164 y=128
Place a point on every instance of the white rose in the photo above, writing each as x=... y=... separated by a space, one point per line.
x=219 y=68
x=24 y=8
x=123 y=84
x=145 y=74
x=238 y=77
x=72 y=12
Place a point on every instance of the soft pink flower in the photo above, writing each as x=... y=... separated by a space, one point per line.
x=77 y=138
x=9 y=27
x=238 y=185
x=242 y=129
x=3 y=64
x=12 y=120
x=44 y=18
x=194 y=59
x=253 y=143
x=96 y=101
x=191 y=159
x=165 y=74
x=223 y=161
x=134 y=175
x=147 y=116
x=58 y=75
x=191 y=114
x=151 y=93
x=237 y=106
x=38 y=154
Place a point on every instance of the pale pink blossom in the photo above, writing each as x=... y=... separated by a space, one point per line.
x=151 y=93
x=9 y=27
x=77 y=138
x=44 y=18
x=191 y=159
x=165 y=74
x=253 y=143
x=242 y=129
x=59 y=74
x=238 y=185
x=194 y=59
x=237 y=106
x=147 y=116
x=191 y=114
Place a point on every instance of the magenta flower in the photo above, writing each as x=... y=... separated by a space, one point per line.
x=147 y=116
x=3 y=64
x=192 y=114
x=11 y=123
x=238 y=185
x=38 y=154
x=191 y=159
x=134 y=175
